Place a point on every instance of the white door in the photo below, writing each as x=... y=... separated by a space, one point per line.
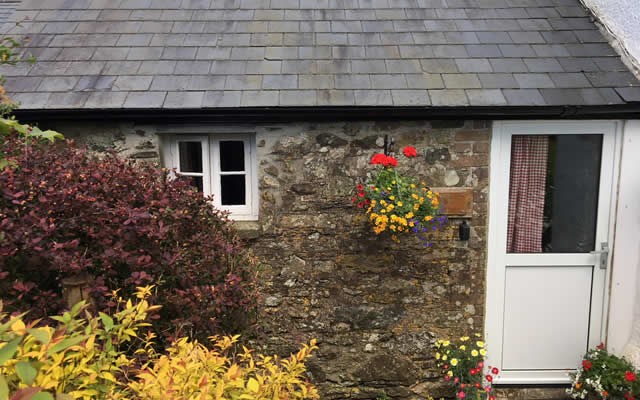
x=551 y=192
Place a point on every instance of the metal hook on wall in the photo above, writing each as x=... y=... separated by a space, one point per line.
x=388 y=146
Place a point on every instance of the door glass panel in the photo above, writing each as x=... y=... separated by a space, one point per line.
x=231 y=155
x=233 y=190
x=553 y=193
x=190 y=155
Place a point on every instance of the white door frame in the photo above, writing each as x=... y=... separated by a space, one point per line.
x=497 y=259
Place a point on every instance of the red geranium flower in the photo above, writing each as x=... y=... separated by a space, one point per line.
x=353 y=200
x=492 y=398
x=361 y=193
x=587 y=365
x=472 y=371
x=478 y=385
x=360 y=205
x=447 y=377
x=378 y=158
x=359 y=187
x=495 y=371
x=489 y=378
x=367 y=202
x=410 y=151
x=629 y=376
x=600 y=346
x=390 y=162
x=629 y=396
x=445 y=366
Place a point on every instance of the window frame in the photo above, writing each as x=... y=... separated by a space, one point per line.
x=211 y=171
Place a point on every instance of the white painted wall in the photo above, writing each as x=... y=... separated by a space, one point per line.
x=622 y=18
x=623 y=336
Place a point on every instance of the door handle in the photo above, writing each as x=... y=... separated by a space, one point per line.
x=603 y=253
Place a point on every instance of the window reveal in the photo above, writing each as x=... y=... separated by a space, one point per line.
x=222 y=166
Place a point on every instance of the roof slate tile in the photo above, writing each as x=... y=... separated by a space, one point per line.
x=234 y=53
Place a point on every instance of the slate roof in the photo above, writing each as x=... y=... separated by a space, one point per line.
x=114 y=54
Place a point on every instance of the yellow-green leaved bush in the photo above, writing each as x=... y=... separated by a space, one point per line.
x=84 y=356
x=101 y=357
x=190 y=370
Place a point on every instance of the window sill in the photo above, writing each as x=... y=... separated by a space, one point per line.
x=248 y=229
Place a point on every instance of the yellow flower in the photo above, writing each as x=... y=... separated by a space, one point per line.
x=392 y=197
x=450 y=373
x=388 y=189
x=480 y=344
x=415 y=196
x=445 y=343
x=429 y=218
x=392 y=227
x=437 y=356
x=393 y=182
x=483 y=352
x=463 y=347
x=409 y=215
x=464 y=338
x=474 y=353
x=454 y=362
x=399 y=204
x=444 y=358
x=383 y=211
x=413 y=186
x=416 y=207
x=478 y=335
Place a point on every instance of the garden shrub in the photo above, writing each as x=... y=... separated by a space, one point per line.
x=83 y=356
x=603 y=375
x=190 y=370
x=65 y=213
x=89 y=357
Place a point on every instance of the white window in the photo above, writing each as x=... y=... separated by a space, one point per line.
x=222 y=165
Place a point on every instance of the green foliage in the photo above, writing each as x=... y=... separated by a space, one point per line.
x=604 y=375
x=28 y=134
x=9 y=55
x=101 y=357
x=82 y=356
x=190 y=370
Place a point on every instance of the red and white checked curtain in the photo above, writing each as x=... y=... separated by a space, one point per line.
x=526 y=193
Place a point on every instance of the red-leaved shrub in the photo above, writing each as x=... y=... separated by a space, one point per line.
x=65 y=212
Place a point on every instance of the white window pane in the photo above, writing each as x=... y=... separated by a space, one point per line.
x=195 y=181
x=231 y=155
x=233 y=188
x=190 y=155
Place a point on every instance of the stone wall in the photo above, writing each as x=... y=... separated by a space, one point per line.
x=375 y=306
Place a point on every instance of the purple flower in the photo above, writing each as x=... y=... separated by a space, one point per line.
x=434 y=228
x=424 y=229
x=384 y=194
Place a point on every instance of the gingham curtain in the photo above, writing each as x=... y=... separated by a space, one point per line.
x=526 y=193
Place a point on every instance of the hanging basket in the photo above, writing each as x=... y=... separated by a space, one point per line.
x=399 y=203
